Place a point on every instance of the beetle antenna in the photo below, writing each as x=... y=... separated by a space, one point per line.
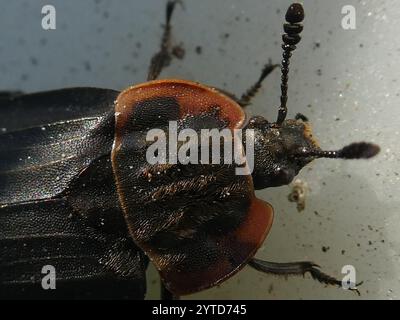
x=291 y=37
x=358 y=150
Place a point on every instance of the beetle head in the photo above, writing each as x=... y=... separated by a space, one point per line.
x=281 y=151
x=275 y=163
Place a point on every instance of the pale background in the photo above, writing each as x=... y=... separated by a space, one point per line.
x=348 y=86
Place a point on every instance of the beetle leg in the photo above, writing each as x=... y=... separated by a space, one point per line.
x=163 y=58
x=297 y=268
x=246 y=98
x=302 y=117
x=166 y=294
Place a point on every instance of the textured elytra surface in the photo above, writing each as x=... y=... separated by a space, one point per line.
x=58 y=203
x=89 y=264
x=187 y=218
x=57 y=136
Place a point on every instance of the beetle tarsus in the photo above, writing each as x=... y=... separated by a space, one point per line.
x=297 y=268
x=163 y=58
x=246 y=98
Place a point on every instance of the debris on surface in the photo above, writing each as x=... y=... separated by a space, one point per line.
x=178 y=52
x=298 y=194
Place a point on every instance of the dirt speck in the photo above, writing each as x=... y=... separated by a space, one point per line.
x=199 y=49
x=34 y=61
x=325 y=248
x=87 y=66
x=298 y=194
x=178 y=52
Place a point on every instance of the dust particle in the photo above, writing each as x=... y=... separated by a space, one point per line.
x=199 y=49
x=299 y=194
x=178 y=52
x=325 y=249
x=34 y=61
x=87 y=65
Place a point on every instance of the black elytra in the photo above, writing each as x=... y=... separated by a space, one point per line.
x=77 y=191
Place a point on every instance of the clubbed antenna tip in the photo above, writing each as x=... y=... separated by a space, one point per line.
x=359 y=150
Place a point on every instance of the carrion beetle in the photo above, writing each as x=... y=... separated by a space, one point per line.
x=77 y=192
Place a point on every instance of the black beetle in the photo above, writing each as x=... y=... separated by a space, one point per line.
x=76 y=191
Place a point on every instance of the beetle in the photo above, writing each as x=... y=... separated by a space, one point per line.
x=78 y=193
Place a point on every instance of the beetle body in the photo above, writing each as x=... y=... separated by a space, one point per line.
x=77 y=189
